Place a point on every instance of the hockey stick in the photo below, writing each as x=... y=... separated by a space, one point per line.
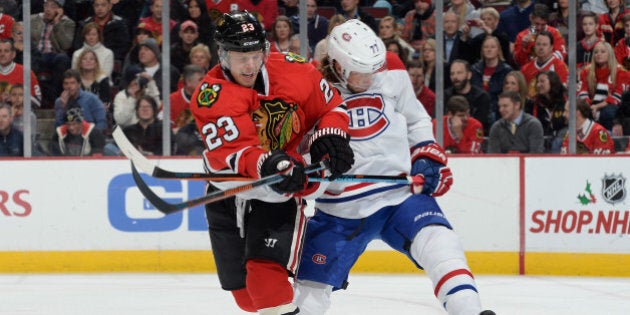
x=146 y=166
x=168 y=208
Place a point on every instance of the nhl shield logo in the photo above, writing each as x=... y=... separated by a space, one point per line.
x=613 y=188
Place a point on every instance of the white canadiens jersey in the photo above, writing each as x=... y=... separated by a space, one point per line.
x=385 y=122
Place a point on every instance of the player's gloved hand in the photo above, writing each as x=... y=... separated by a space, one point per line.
x=332 y=144
x=278 y=161
x=429 y=161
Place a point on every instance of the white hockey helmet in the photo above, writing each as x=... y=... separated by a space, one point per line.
x=355 y=47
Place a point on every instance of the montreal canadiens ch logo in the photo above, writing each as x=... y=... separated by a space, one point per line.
x=319 y=259
x=367 y=116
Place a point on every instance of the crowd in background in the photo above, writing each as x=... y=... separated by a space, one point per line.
x=98 y=64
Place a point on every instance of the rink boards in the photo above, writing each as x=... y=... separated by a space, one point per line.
x=515 y=215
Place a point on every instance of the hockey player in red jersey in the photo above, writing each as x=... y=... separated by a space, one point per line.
x=391 y=134
x=257 y=112
x=592 y=138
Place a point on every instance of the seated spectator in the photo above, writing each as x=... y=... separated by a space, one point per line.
x=93 y=40
x=93 y=79
x=388 y=31
x=198 y=13
x=180 y=99
x=621 y=125
x=146 y=134
x=516 y=131
x=141 y=34
x=114 y=30
x=72 y=96
x=545 y=60
x=6 y=25
x=456 y=46
x=415 y=68
x=489 y=73
x=13 y=73
x=135 y=84
x=611 y=24
x=350 y=10
x=52 y=32
x=478 y=99
x=317 y=25
x=515 y=81
x=591 y=137
x=149 y=59
x=430 y=59
x=320 y=49
x=622 y=48
x=16 y=100
x=153 y=22
x=466 y=12
x=185 y=41
x=188 y=141
x=524 y=46
x=201 y=56
x=280 y=35
x=560 y=19
x=77 y=137
x=488 y=22
x=18 y=44
x=462 y=133
x=419 y=23
x=584 y=49
x=548 y=107
x=395 y=47
x=266 y=11
x=11 y=139
x=516 y=18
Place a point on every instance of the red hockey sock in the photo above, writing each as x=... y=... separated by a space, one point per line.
x=243 y=300
x=268 y=284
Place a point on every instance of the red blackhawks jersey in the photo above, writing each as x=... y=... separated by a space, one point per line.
x=592 y=138
x=238 y=125
x=6 y=25
x=470 y=141
x=531 y=69
x=14 y=74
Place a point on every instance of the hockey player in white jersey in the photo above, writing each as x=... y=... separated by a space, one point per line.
x=391 y=134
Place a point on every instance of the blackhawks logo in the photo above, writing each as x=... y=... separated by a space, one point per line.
x=613 y=188
x=276 y=122
x=291 y=57
x=208 y=94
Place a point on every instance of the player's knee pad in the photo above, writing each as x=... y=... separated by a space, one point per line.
x=439 y=251
x=268 y=283
x=243 y=300
x=313 y=298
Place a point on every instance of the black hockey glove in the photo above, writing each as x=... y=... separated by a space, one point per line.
x=279 y=162
x=332 y=144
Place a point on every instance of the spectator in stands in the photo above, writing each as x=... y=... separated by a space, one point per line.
x=429 y=59
x=135 y=83
x=11 y=139
x=621 y=125
x=141 y=34
x=478 y=99
x=188 y=141
x=467 y=13
x=622 y=48
x=266 y=11
x=395 y=47
x=545 y=60
x=200 y=56
x=290 y=7
x=584 y=49
x=146 y=134
x=350 y=10
x=515 y=81
x=198 y=13
x=153 y=22
x=52 y=32
x=18 y=44
x=320 y=49
x=415 y=68
x=93 y=79
x=462 y=133
x=77 y=137
x=149 y=58
x=186 y=39
x=388 y=30
x=317 y=24
x=516 y=18
x=180 y=99
x=419 y=23
x=281 y=32
x=516 y=131
x=114 y=30
x=16 y=100
x=93 y=40
x=488 y=22
x=13 y=73
x=489 y=73
x=455 y=45
x=600 y=86
x=560 y=19
x=611 y=24
x=6 y=25
x=591 y=137
x=72 y=96
x=524 y=46
x=548 y=106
